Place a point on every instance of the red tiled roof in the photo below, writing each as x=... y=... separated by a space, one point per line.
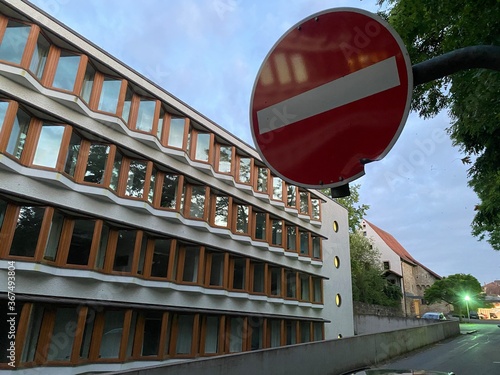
x=398 y=248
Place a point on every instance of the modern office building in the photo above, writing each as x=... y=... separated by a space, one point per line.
x=134 y=231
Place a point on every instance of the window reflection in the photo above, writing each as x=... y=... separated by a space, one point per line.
x=277 y=188
x=169 y=191
x=14 y=41
x=124 y=250
x=241 y=219
x=73 y=152
x=110 y=92
x=197 y=207
x=260 y=225
x=136 y=179
x=88 y=83
x=3 y=111
x=202 y=146
x=277 y=234
x=161 y=257
x=66 y=70
x=127 y=104
x=176 y=133
x=244 y=171
x=49 y=143
x=225 y=155
x=18 y=134
x=115 y=173
x=27 y=231
x=221 y=211
x=291 y=196
x=145 y=115
x=262 y=178
x=112 y=334
x=81 y=242
x=39 y=57
x=315 y=214
x=96 y=163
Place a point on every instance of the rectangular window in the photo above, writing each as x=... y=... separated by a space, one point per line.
x=277 y=232
x=145 y=115
x=125 y=247
x=115 y=173
x=317 y=290
x=14 y=41
x=33 y=333
x=88 y=83
x=81 y=242
x=258 y=270
x=274 y=327
x=73 y=152
x=304 y=287
x=315 y=206
x=256 y=327
x=221 y=214
x=236 y=334
x=245 y=165
x=152 y=184
x=211 y=334
x=18 y=134
x=239 y=273
x=103 y=244
x=29 y=223
x=110 y=93
x=290 y=332
x=54 y=236
x=3 y=111
x=202 y=151
x=260 y=225
x=191 y=264
x=318 y=331
x=217 y=269
x=64 y=318
x=185 y=330
x=176 y=132
x=127 y=104
x=136 y=178
x=161 y=257
x=87 y=333
x=305 y=331
x=304 y=243
x=96 y=163
x=277 y=188
x=169 y=191
x=66 y=70
x=151 y=334
x=262 y=179
x=39 y=58
x=241 y=219
x=3 y=210
x=291 y=284
x=304 y=202
x=316 y=243
x=291 y=238
x=291 y=196
x=275 y=281
x=112 y=334
x=49 y=143
x=225 y=159
x=197 y=204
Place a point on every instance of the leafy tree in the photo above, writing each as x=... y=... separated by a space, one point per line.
x=453 y=289
x=431 y=28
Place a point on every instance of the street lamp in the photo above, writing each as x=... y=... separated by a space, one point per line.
x=467 y=299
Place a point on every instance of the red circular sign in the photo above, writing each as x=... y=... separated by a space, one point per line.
x=332 y=95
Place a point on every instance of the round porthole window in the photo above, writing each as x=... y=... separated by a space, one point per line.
x=335 y=226
x=339 y=336
x=336 y=262
x=338 y=300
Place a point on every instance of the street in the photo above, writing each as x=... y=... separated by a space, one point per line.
x=475 y=351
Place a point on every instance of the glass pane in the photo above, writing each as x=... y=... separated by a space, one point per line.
x=152 y=184
x=66 y=70
x=256 y=326
x=317 y=282
x=316 y=247
x=161 y=257
x=305 y=331
x=33 y=333
x=236 y=337
x=244 y=172
x=318 y=331
x=3 y=209
x=145 y=115
x=151 y=334
x=197 y=207
x=88 y=83
x=291 y=196
x=65 y=317
x=304 y=243
x=18 y=135
x=3 y=111
x=315 y=208
x=176 y=133
x=96 y=163
x=159 y=128
x=221 y=211
x=277 y=188
x=87 y=333
x=260 y=225
x=217 y=270
x=49 y=143
x=304 y=287
x=54 y=236
x=124 y=251
x=258 y=277
x=275 y=281
x=242 y=219
x=277 y=236
x=262 y=178
x=39 y=57
x=291 y=243
x=136 y=178
x=239 y=273
x=225 y=154
x=291 y=284
x=103 y=243
x=112 y=334
x=275 y=328
x=202 y=146
x=81 y=242
x=13 y=42
x=184 y=334
x=27 y=231
x=211 y=334
x=191 y=262
x=169 y=191
x=115 y=174
x=127 y=105
x=73 y=152
x=109 y=95
x=304 y=202
x=291 y=332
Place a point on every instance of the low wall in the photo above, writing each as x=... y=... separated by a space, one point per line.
x=332 y=357
x=375 y=323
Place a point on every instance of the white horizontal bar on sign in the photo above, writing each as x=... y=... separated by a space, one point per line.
x=365 y=82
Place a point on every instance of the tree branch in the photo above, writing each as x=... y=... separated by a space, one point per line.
x=473 y=57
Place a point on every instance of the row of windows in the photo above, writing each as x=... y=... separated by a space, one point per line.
x=25 y=45
x=62 y=334
x=44 y=234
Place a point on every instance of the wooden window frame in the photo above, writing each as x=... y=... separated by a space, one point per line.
x=139 y=337
x=228 y=335
x=234 y=221
x=218 y=147
x=299 y=205
x=194 y=339
x=166 y=132
x=160 y=176
x=319 y=218
x=220 y=335
x=187 y=202
x=51 y=67
x=320 y=247
x=256 y=179
x=297 y=242
x=297 y=196
x=212 y=210
x=148 y=259
x=309 y=243
x=283 y=191
x=194 y=141
x=283 y=232
x=134 y=113
x=8 y=123
x=83 y=159
x=180 y=262
x=237 y=169
x=313 y=289
x=297 y=285
x=252 y=278
x=31 y=41
x=246 y=275
x=109 y=258
x=95 y=96
x=208 y=269
x=253 y=226
x=281 y=278
x=123 y=178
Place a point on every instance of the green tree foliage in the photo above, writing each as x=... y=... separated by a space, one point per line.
x=430 y=28
x=368 y=284
x=355 y=210
x=453 y=289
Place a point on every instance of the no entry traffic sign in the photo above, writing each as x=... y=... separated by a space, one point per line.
x=332 y=95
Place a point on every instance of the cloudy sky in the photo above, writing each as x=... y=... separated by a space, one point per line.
x=207 y=53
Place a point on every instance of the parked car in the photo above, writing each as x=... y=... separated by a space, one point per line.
x=434 y=316
x=473 y=315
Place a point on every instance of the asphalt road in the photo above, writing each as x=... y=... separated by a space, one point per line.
x=475 y=351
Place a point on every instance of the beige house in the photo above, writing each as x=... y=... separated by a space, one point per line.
x=404 y=270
